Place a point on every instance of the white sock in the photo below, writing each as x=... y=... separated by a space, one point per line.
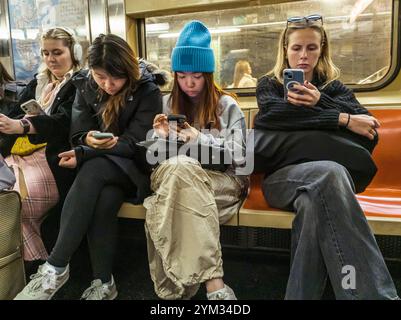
x=59 y=270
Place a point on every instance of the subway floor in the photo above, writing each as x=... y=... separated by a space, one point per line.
x=253 y=274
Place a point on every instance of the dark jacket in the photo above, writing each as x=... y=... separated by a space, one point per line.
x=52 y=129
x=277 y=114
x=135 y=120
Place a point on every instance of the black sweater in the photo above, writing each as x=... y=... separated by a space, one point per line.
x=277 y=114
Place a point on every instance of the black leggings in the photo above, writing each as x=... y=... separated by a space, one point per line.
x=91 y=208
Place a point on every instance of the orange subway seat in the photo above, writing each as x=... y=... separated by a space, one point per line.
x=383 y=196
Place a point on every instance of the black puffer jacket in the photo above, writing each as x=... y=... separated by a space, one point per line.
x=135 y=120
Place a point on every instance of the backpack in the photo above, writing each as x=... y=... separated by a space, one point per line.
x=12 y=274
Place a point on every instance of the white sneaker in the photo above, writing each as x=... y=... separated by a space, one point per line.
x=44 y=284
x=223 y=294
x=100 y=291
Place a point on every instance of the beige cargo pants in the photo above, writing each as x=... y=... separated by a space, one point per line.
x=182 y=224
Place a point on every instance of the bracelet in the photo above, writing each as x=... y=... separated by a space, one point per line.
x=349 y=118
x=26 y=125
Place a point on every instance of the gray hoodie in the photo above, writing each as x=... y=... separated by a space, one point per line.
x=232 y=135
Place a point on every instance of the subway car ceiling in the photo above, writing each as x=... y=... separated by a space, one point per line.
x=241 y=30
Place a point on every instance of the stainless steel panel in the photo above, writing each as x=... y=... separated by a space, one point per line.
x=116 y=15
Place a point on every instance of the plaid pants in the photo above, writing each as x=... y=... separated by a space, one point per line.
x=34 y=178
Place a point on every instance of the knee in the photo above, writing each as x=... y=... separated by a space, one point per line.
x=332 y=176
x=180 y=165
x=91 y=171
x=177 y=169
x=330 y=170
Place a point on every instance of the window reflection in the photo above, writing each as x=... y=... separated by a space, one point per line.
x=29 y=18
x=355 y=28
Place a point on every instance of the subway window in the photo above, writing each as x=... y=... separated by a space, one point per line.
x=245 y=40
x=30 y=18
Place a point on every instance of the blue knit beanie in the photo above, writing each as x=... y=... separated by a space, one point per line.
x=192 y=52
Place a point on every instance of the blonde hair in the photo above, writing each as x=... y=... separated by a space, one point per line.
x=241 y=68
x=69 y=41
x=325 y=68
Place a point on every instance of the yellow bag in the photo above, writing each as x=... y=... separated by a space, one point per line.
x=22 y=146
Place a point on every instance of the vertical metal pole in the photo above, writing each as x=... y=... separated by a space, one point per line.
x=88 y=21
x=10 y=44
x=106 y=15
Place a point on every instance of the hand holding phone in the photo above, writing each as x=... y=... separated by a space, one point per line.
x=102 y=135
x=292 y=77
x=100 y=140
x=176 y=124
x=179 y=118
x=160 y=125
x=306 y=95
x=32 y=108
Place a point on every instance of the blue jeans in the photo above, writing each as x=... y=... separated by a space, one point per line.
x=330 y=234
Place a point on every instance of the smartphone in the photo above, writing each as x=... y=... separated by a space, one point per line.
x=292 y=77
x=32 y=107
x=179 y=118
x=102 y=135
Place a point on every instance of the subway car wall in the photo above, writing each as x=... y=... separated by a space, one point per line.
x=365 y=42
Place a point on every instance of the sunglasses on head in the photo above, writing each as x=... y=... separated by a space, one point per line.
x=313 y=19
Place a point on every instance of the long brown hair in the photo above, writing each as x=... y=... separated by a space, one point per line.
x=325 y=68
x=208 y=111
x=114 y=55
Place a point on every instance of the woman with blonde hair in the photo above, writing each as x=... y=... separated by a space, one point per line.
x=315 y=122
x=243 y=75
x=325 y=69
x=40 y=181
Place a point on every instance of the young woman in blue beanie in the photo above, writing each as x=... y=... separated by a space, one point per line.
x=189 y=201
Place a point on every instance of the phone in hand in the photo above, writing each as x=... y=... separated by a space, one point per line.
x=32 y=107
x=179 y=118
x=102 y=135
x=292 y=77
x=178 y=121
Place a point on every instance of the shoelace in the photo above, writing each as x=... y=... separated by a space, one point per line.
x=220 y=295
x=95 y=289
x=45 y=280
